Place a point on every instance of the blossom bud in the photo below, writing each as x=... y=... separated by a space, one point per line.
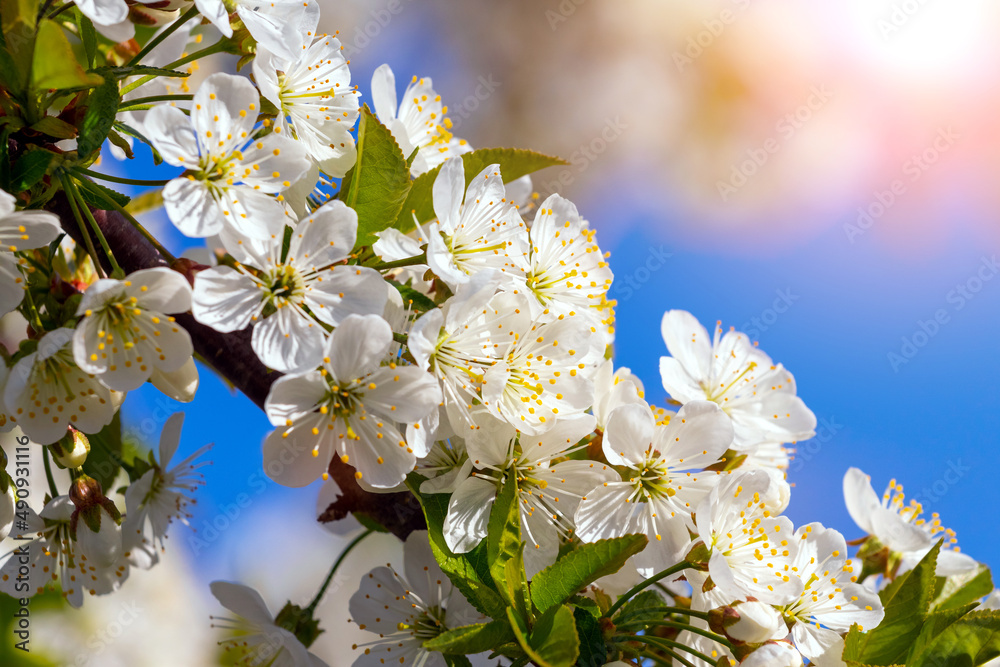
x=774 y=654
x=85 y=492
x=71 y=451
x=99 y=535
x=750 y=622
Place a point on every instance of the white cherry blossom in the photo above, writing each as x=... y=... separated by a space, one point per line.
x=485 y=232
x=163 y=494
x=404 y=609
x=446 y=466
x=232 y=176
x=752 y=551
x=541 y=372
x=831 y=601
x=566 y=269
x=901 y=526
x=280 y=26
x=351 y=407
x=756 y=393
x=454 y=344
x=548 y=493
x=20 y=230
x=418 y=122
x=666 y=479
x=774 y=654
x=260 y=641
x=46 y=391
x=52 y=558
x=286 y=293
x=126 y=327
x=318 y=106
x=614 y=388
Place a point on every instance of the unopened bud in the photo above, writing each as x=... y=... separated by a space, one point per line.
x=86 y=492
x=71 y=451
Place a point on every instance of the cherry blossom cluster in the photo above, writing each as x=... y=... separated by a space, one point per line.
x=453 y=354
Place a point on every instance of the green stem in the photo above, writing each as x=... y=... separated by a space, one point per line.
x=83 y=226
x=97 y=228
x=683 y=611
x=156 y=98
x=408 y=261
x=119 y=179
x=333 y=570
x=718 y=639
x=152 y=44
x=683 y=565
x=218 y=47
x=59 y=10
x=97 y=192
x=36 y=319
x=48 y=472
x=666 y=645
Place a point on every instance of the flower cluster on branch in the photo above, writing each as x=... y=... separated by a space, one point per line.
x=427 y=336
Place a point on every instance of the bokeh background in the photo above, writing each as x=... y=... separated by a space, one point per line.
x=819 y=175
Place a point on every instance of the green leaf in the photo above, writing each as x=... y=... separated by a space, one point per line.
x=553 y=642
x=504 y=548
x=102 y=106
x=103 y=461
x=54 y=66
x=30 y=169
x=150 y=200
x=581 y=567
x=88 y=35
x=10 y=76
x=935 y=624
x=378 y=183
x=471 y=639
x=55 y=127
x=120 y=141
x=587 y=605
x=906 y=606
x=593 y=650
x=514 y=163
x=19 y=42
x=972 y=640
x=16 y=12
x=97 y=202
x=964 y=588
x=468 y=572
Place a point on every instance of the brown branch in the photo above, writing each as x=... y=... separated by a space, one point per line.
x=230 y=355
